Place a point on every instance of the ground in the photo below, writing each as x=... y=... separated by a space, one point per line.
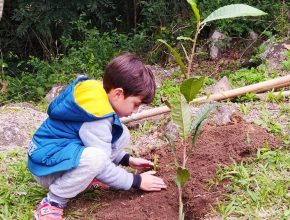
x=219 y=144
x=216 y=146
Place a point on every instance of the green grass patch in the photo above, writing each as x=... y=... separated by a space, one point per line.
x=168 y=89
x=286 y=63
x=19 y=193
x=258 y=189
x=245 y=77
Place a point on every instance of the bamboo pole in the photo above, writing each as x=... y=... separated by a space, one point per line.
x=258 y=87
x=263 y=96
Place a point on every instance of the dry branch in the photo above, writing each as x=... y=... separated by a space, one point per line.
x=255 y=88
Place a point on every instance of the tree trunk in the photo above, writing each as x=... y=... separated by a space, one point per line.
x=1 y=8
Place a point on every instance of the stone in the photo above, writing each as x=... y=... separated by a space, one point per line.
x=218 y=42
x=253 y=35
x=217 y=36
x=54 y=92
x=220 y=86
x=214 y=52
x=224 y=115
x=275 y=54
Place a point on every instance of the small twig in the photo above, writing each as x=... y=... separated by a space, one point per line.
x=180 y=28
x=185 y=53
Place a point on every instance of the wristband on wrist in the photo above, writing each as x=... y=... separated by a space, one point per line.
x=136 y=181
x=125 y=160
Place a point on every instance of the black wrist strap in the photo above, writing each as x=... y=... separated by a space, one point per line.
x=125 y=160
x=136 y=181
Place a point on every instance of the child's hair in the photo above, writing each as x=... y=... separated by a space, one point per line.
x=129 y=73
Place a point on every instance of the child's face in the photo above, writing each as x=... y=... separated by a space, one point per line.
x=124 y=106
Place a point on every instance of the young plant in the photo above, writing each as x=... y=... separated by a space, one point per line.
x=155 y=162
x=228 y=11
x=189 y=129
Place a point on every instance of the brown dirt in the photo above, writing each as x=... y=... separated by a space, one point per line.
x=216 y=146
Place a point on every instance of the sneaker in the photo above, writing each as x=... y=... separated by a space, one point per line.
x=48 y=211
x=97 y=184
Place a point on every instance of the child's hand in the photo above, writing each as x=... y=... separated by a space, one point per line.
x=140 y=163
x=150 y=182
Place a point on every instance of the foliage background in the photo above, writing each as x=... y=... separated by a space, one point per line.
x=47 y=42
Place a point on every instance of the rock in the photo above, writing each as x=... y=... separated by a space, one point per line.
x=218 y=42
x=224 y=115
x=220 y=86
x=18 y=122
x=274 y=54
x=253 y=35
x=214 y=52
x=55 y=91
x=217 y=36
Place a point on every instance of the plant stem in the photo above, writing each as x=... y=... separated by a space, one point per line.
x=180 y=204
x=184 y=156
x=193 y=49
x=189 y=152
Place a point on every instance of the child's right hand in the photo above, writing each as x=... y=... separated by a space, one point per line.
x=150 y=182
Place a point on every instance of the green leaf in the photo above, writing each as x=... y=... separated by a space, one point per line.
x=181 y=116
x=252 y=195
x=171 y=147
x=176 y=56
x=233 y=11
x=201 y=115
x=199 y=121
x=196 y=132
x=185 y=38
x=194 y=9
x=190 y=87
x=182 y=176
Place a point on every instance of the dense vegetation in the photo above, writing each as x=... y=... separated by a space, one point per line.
x=49 y=42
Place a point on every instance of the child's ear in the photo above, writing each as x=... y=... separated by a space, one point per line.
x=118 y=92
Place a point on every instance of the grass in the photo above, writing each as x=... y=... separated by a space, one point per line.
x=258 y=189
x=167 y=89
x=19 y=193
x=286 y=63
x=245 y=77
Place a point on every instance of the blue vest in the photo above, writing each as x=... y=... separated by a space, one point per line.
x=56 y=145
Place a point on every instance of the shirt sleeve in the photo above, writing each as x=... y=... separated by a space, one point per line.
x=118 y=152
x=99 y=134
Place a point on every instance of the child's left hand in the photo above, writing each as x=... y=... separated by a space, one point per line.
x=140 y=164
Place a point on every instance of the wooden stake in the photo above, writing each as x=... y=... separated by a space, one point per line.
x=255 y=88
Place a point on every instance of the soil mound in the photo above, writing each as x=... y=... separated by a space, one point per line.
x=216 y=146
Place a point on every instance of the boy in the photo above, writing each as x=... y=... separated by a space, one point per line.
x=82 y=141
